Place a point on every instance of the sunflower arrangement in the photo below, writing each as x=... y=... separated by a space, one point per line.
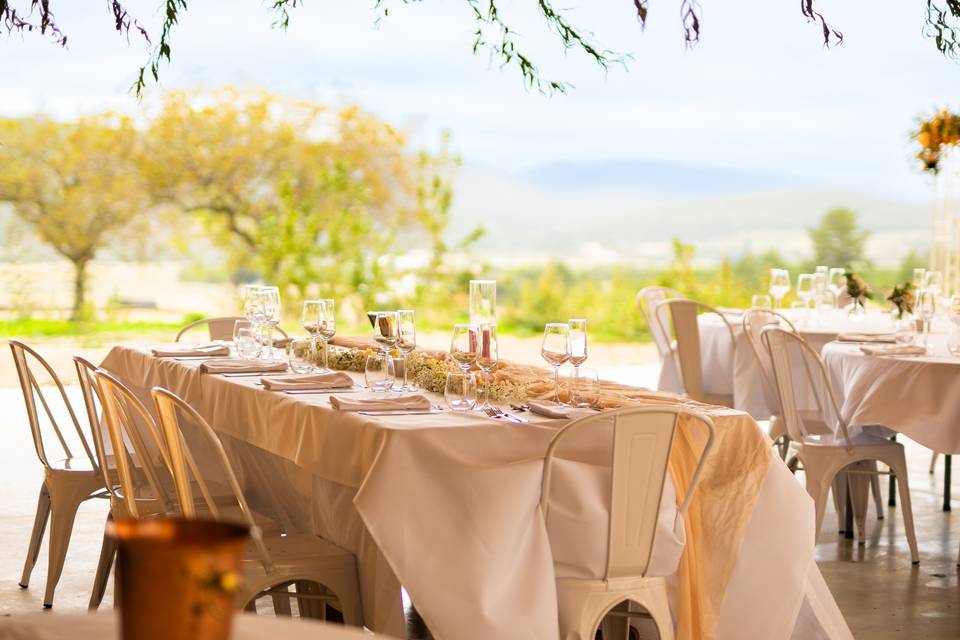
x=939 y=131
x=903 y=299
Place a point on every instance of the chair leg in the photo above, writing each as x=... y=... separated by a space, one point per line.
x=65 y=499
x=859 y=494
x=108 y=551
x=877 y=497
x=818 y=490
x=933 y=462
x=840 y=501
x=36 y=537
x=281 y=606
x=907 y=510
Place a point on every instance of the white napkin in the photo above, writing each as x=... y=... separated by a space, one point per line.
x=201 y=350
x=237 y=365
x=894 y=350
x=395 y=403
x=550 y=409
x=873 y=338
x=337 y=380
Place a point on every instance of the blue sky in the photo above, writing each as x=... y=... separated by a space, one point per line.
x=758 y=93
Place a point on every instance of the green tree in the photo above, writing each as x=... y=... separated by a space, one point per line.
x=76 y=184
x=837 y=240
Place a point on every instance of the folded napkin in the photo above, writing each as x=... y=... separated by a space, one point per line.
x=894 y=350
x=874 y=338
x=550 y=409
x=337 y=380
x=395 y=403
x=201 y=350
x=238 y=365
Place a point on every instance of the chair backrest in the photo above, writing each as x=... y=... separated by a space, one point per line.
x=220 y=328
x=141 y=467
x=647 y=300
x=186 y=473
x=642 y=441
x=754 y=321
x=23 y=358
x=683 y=315
x=91 y=399
x=787 y=350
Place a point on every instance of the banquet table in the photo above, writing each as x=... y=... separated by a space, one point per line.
x=446 y=505
x=104 y=626
x=732 y=368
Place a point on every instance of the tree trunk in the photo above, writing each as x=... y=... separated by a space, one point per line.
x=79 y=290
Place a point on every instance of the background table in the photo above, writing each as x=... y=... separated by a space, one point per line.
x=446 y=504
x=104 y=626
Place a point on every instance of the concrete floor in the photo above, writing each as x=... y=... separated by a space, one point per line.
x=881 y=594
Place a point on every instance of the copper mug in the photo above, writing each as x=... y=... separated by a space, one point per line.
x=177 y=579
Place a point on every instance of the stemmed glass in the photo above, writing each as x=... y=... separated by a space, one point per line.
x=779 y=284
x=806 y=290
x=919 y=279
x=253 y=309
x=927 y=308
x=327 y=329
x=578 y=343
x=406 y=342
x=933 y=282
x=310 y=321
x=385 y=331
x=271 y=314
x=465 y=345
x=838 y=282
x=488 y=358
x=555 y=349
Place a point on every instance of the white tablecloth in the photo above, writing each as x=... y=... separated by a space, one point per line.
x=104 y=626
x=446 y=505
x=732 y=369
x=914 y=395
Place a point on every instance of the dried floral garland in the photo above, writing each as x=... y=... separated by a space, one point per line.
x=939 y=131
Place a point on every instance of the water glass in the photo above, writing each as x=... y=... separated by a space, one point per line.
x=377 y=372
x=779 y=284
x=300 y=355
x=246 y=341
x=465 y=345
x=837 y=283
x=584 y=387
x=555 y=349
x=460 y=391
x=760 y=301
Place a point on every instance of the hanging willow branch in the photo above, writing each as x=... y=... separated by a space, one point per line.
x=493 y=33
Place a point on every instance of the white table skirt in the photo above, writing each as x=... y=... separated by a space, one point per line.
x=916 y=396
x=104 y=626
x=447 y=505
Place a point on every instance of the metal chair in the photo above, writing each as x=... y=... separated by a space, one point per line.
x=322 y=572
x=647 y=301
x=825 y=457
x=683 y=317
x=68 y=481
x=642 y=441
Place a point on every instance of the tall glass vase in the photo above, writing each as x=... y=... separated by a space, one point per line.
x=483 y=302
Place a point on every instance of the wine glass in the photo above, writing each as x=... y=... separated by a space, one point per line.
x=928 y=308
x=806 y=290
x=460 y=391
x=933 y=282
x=465 y=345
x=385 y=331
x=310 y=321
x=760 y=301
x=555 y=349
x=953 y=339
x=919 y=278
x=837 y=283
x=253 y=306
x=406 y=342
x=578 y=343
x=488 y=358
x=372 y=317
x=271 y=314
x=779 y=284
x=327 y=329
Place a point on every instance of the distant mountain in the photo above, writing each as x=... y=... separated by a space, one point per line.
x=656 y=177
x=526 y=220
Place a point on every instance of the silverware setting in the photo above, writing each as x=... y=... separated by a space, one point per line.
x=500 y=414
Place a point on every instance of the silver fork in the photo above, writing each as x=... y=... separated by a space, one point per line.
x=495 y=412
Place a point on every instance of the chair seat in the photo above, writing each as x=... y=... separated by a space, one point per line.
x=720 y=400
x=72 y=465
x=298 y=549
x=860 y=440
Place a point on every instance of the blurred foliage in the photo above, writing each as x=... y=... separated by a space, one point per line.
x=837 y=240
x=76 y=184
